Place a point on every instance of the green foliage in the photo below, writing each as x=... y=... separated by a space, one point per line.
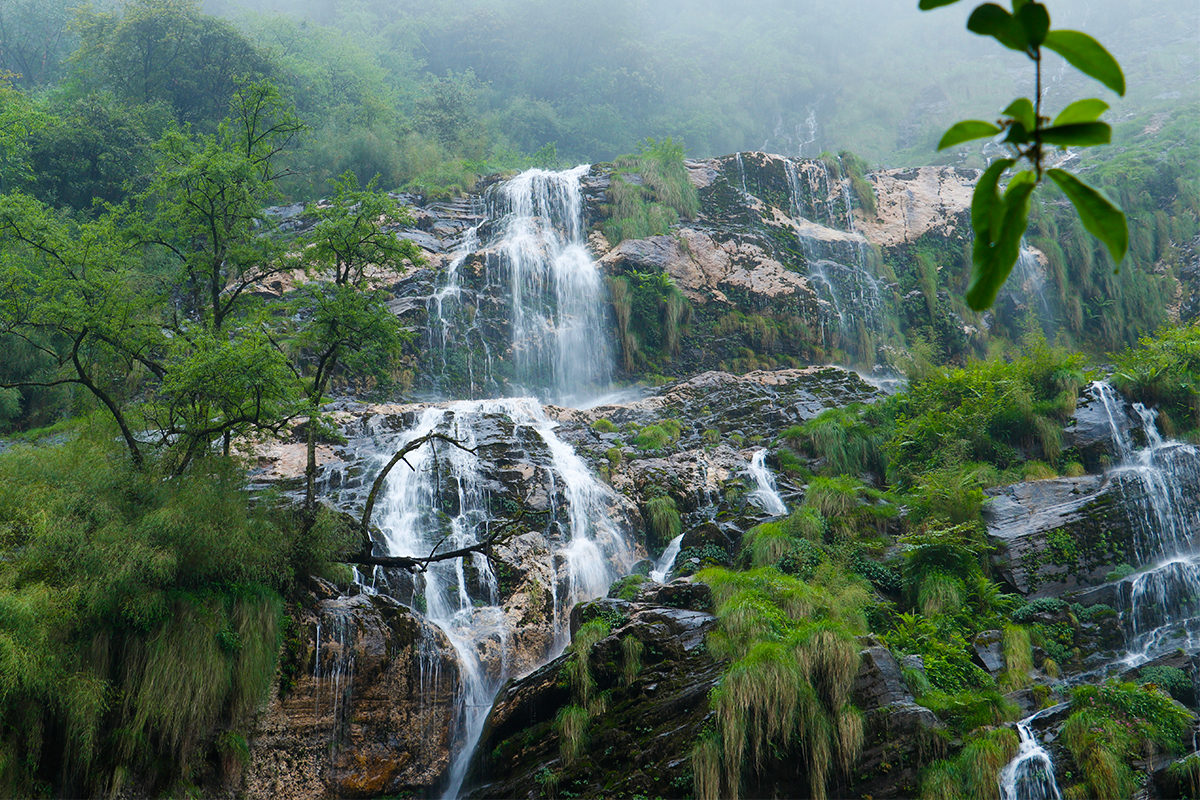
x=985 y=412
x=972 y=774
x=166 y=51
x=793 y=656
x=138 y=612
x=1173 y=680
x=662 y=515
x=1164 y=372
x=603 y=425
x=1030 y=611
x=999 y=221
x=631 y=658
x=626 y=588
x=649 y=192
x=1112 y=725
x=849 y=439
x=571 y=723
x=651 y=314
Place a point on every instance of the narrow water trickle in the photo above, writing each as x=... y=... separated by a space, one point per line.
x=1030 y=775
x=662 y=567
x=765 y=496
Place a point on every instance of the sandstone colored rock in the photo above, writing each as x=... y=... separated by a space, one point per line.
x=372 y=710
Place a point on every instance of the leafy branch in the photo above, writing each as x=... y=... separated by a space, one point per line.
x=999 y=219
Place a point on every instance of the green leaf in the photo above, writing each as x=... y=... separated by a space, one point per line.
x=1102 y=219
x=965 y=131
x=994 y=257
x=1082 y=134
x=1017 y=134
x=986 y=204
x=1018 y=5
x=1035 y=19
x=926 y=5
x=1081 y=111
x=990 y=19
x=1088 y=56
x=1019 y=180
x=1022 y=111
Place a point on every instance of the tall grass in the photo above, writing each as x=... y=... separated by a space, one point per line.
x=138 y=615
x=793 y=657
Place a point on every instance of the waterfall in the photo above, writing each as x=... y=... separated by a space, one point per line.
x=765 y=496
x=662 y=567
x=445 y=501
x=539 y=284
x=1159 y=481
x=836 y=256
x=1030 y=775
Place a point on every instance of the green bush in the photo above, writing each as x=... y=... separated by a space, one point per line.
x=1173 y=680
x=1036 y=608
x=139 y=614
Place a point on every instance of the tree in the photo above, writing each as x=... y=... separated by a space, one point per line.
x=167 y=51
x=155 y=300
x=69 y=295
x=999 y=220
x=341 y=319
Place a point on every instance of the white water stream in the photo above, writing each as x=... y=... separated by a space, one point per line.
x=1030 y=775
x=533 y=250
x=765 y=495
x=1161 y=605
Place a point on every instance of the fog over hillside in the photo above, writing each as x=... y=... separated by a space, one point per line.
x=880 y=78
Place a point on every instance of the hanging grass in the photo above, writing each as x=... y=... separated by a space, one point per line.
x=571 y=723
x=662 y=514
x=631 y=658
x=1018 y=658
x=794 y=654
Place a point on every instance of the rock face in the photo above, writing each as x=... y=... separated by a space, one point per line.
x=640 y=744
x=900 y=736
x=370 y=708
x=1060 y=536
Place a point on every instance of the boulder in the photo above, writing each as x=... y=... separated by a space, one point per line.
x=1060 y=536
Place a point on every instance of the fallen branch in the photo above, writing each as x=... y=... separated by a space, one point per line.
x=396 y=459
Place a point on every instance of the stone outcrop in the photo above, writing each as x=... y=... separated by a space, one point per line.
x=367 y=709
x=914 y=202
x=1060 y=536
x=640 y=744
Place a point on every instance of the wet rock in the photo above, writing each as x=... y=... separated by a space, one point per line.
x=370 y=711
x=640 y=744
x=987 y=652
x=1090 y=429
x=1060 y=536
x=899 y=736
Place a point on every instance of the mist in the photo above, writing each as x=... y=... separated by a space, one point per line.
x=879 y=78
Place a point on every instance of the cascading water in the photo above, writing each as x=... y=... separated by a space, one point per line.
x=837 y=262
x=765 y=496
x=1030 y=775
x=540 y=284
x=662 y=567
x=1160 y=482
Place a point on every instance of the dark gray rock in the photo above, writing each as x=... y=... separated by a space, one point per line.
x=1060 y=536
x=987 y=651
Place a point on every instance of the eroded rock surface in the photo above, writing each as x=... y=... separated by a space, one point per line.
x=370 y=710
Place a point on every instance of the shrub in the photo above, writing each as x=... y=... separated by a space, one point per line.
x=603 y=425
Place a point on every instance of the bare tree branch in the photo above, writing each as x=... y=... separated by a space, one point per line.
x=401 y=456
x=498 y=535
